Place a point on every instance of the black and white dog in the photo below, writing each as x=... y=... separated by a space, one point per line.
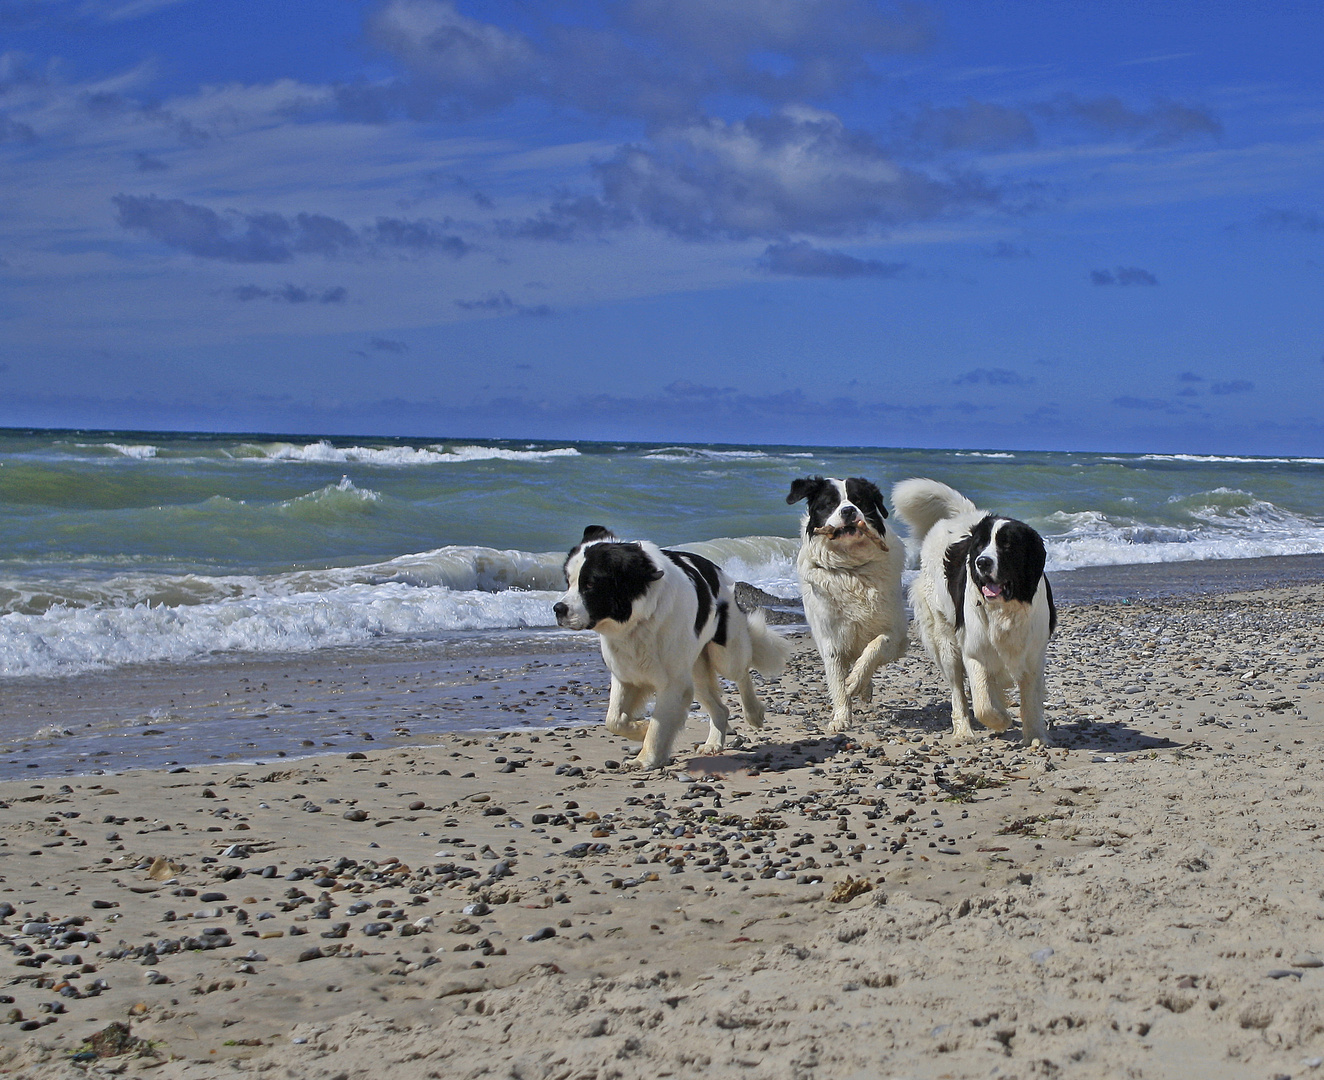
x=669 y=626
x=850 y=566
x=984 y=607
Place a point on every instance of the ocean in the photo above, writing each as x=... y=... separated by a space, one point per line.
x=154 y=551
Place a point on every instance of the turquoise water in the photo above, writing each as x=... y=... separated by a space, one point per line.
x=119 y=547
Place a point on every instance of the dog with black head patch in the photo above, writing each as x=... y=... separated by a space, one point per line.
x=984 y=606
x=668 y=626
x=849 y=565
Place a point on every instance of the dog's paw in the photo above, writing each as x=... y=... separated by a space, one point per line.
x=713 y=746
x=838 y=724
x=634 y=730
x=646 y=762
x=754 y=718
x=996 y=721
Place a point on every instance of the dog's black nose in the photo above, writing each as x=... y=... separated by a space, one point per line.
x=849 y=514
x=560 y=610
x=984 y=564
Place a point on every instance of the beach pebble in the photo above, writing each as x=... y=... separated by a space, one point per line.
x=541 y=935
x=1307 y=960
x=1040 y=956
x=355 y=815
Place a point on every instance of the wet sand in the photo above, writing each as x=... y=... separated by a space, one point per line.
x=1142 y=899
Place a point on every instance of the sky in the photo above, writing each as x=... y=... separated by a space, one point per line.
x=1021 y=224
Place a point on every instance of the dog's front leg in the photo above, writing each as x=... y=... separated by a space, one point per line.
x=881 y=650
x=986 y=694
x=947 y=652
x=673 y=702
x=837 y=672
x=1033 y=728
x=624 y=702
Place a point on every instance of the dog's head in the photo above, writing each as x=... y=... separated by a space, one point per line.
x=843 y=514
x=605 y=579
x=1005 y=559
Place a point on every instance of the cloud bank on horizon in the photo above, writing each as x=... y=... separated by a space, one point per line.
x=815 y=221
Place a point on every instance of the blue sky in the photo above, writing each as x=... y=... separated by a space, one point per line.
x=1027 y=224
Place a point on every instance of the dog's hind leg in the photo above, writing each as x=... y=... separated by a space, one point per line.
x=749 y=700
x=673 y=702
x=1033 y=727
x=709 y=692
x=987 y=695
x=624 y=704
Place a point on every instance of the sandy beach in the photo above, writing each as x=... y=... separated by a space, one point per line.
x=1143 y=899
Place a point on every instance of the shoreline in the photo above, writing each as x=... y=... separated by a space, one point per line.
x=1141 y=897
x=286 y=707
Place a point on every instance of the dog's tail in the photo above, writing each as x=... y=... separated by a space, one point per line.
x=770 y=650
x=921 y=504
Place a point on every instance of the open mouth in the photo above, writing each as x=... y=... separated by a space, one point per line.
x=991 y=591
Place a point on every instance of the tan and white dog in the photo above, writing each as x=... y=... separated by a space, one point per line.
x=849 y=565
x=984 y=607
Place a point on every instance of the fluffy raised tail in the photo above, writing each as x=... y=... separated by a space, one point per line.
x=770 y=650
x=921 y=504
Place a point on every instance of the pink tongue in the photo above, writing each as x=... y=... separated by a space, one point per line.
x=992 y=590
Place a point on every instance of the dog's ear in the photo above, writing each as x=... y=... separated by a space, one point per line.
x=865 y=494
x=804 y=487
x=596 y=532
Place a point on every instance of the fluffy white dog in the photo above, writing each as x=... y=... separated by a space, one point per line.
x=850 y=566
x=984 y=607
x=668 y=625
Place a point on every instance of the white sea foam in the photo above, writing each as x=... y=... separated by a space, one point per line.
x=65 y=641
x=141 y=453
x=323 y=452
x=1222 y=459
x=144 y=618
x=696 y=453
x=1221 y=524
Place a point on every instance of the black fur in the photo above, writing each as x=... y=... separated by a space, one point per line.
x=866 y=496
x=612 y=577
x=823 y=500
x=703 y=575
x=1020 y=564
x=953 y=566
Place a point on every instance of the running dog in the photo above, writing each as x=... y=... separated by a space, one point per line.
x=984 y=607
x=668 y=625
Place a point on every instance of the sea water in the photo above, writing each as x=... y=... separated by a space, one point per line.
x=119 y=549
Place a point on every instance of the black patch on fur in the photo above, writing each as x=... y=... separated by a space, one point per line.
x=591 y=533
x=1052 y=608
x=704 y=576
x=1021 y=560
x=953 y=568
x=596 y=532
x=723 y=611
x=613 y=576
x=822 y=496
x=869 y=500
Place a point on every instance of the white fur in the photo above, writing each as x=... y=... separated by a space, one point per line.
x=656 y=653
x=855 y=608
x=1001 y=643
